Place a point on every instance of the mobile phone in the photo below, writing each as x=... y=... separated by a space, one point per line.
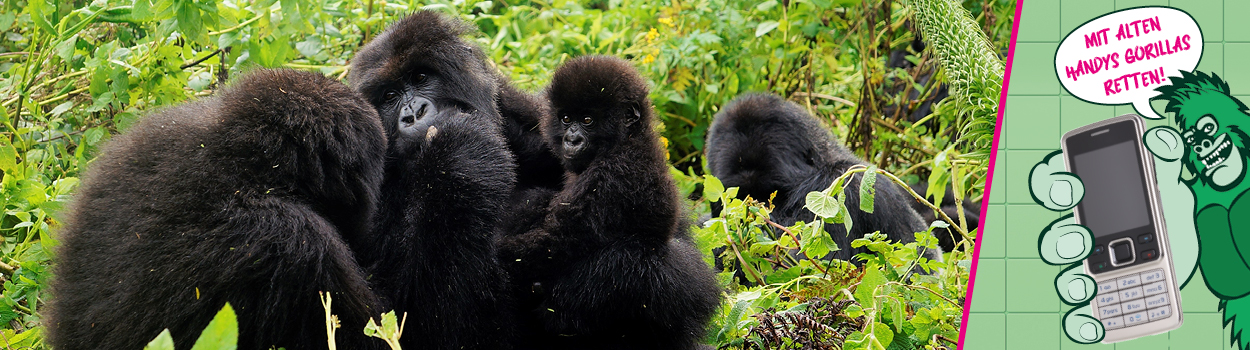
x=1137 y=293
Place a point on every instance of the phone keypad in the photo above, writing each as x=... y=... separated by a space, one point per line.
x=1134 y=299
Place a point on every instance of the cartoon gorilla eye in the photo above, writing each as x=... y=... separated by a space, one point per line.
x=1207 y=124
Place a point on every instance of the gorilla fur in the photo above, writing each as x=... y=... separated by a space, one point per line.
x=762 y=144
x=537 y=166
x=539 y=173
x=448 y=176
x=612 y=265
x=248 y=198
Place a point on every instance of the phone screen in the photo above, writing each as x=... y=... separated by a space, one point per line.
x=1115 y=190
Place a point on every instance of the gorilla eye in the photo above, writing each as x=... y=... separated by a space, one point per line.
x=420 y=78
x=390 y=95
x=587 y=120
x=566 y=120
x=1208 y=128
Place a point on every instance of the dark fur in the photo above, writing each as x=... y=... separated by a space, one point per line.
x=448 y=178
x=948 y=239
x=537 y=166
x=764 y=144
x=539 y=173
x=244 y=198
x=613 y=261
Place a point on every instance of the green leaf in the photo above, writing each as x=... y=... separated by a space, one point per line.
x=765 y=6
x=61 y=108
x=38 y=13
x=872 y=279
x=389 y=329
x=8 y=159
x=765 y=27
x=712 y=188
x=222 y=332
x=845 y=214
x=882 y=333
x=65 y=49
x=822 y=204
x=868 y=189
x=162 y=342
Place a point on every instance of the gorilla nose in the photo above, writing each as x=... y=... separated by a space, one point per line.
x=573 y=140
x=411 y=112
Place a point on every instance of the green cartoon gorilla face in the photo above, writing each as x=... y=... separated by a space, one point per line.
x=1214 y=151
x=1210 y=119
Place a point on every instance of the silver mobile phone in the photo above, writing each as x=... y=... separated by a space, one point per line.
x=1137 y=293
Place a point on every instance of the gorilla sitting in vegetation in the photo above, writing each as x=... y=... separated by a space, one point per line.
x=448 y=176
x=249 y=197
x=764 y=144
x=611 y=265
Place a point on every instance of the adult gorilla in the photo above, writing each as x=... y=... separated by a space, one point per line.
x=248 y=198
x=448 y=177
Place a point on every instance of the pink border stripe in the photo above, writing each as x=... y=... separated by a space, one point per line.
x=998 y=133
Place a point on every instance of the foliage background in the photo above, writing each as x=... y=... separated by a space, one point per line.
x=75 y=72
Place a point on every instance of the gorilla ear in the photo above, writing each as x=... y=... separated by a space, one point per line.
x=631 y=119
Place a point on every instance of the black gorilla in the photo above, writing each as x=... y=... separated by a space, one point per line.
x=448 y=176
x=248 y=198
x=611 y=266
x=948 y=239
x=764 y=144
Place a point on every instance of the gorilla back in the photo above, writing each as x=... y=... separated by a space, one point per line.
x=764 y=144
x=248 y=198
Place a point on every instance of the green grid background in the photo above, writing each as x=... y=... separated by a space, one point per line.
x=1014 y=304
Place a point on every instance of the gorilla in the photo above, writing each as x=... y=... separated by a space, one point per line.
x=763 y=144
x=448 y=176
x=611 y=265
x=250 y=197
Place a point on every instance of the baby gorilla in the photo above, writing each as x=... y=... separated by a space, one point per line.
x=611 y=266
x=764 y=144
x=448 y=176
x=246 y=198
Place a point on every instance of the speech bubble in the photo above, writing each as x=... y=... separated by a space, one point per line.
x=1121 y=57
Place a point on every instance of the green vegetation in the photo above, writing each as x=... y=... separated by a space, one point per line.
x=75 y=72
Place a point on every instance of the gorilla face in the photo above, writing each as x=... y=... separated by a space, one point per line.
x=588 y=132
x=408 y=107
x=419 y=68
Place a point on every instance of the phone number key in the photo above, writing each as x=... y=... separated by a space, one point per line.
x=1156 y=301
x=1129 y=281
x=1155 y=288
x=1113 y=323
x=1135 y=319
x=1113 y=310
x=1160 y=313
x=1131 y=293
x=1152 y=276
